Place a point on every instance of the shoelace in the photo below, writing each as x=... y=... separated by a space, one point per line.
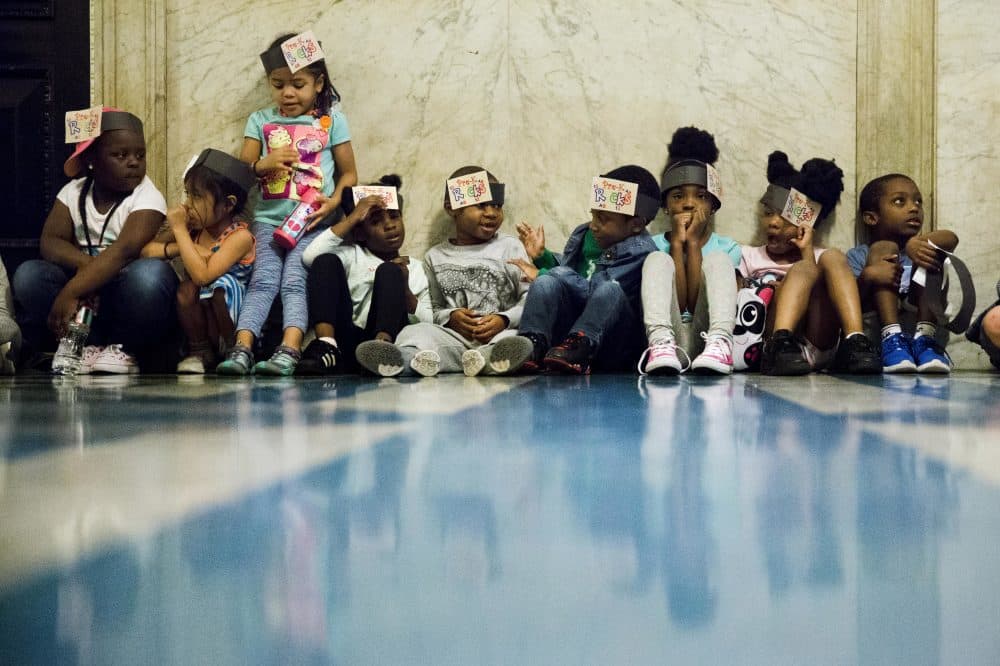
x=662 y=344
x=717 y=345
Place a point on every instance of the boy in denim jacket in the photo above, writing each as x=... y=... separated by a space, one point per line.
x=589 y=297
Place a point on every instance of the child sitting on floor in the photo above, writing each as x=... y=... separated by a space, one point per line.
x=892 y=217
x=689 y=289
x=362 y=290
x=217 y=250
x=476 y=294
x=816 y=297
x=588 y=298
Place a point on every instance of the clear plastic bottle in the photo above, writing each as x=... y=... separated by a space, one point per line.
x=70 y=352
x=287 y=235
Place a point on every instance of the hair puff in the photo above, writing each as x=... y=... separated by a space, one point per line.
x=691 y=143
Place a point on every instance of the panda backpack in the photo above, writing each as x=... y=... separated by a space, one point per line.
x=748 y=333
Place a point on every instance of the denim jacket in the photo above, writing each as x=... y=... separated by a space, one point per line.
x=621 y=262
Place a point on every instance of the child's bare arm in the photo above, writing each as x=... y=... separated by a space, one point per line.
x=57 y=243
x=921 y=249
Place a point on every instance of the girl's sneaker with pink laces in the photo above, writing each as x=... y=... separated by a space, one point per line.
x=661 y=358
x=717 y=357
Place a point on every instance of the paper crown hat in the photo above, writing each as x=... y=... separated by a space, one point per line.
x=111 y=119
x=225 y=165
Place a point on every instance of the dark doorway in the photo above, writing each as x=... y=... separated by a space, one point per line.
x=44 y=71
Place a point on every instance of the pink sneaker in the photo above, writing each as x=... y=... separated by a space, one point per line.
x=113 y=359
x=90 y=354
x=716 y=358
x=661 y=358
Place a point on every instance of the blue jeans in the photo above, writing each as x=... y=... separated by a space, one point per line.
x=562 y=302
x=136 y=308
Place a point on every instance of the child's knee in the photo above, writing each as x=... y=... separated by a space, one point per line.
x=879 y=250
x=991 y=325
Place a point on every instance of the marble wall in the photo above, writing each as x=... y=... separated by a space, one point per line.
x=548 y=94
x=968 y=145
x=544 y=94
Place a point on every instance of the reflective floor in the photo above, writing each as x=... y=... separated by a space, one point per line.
x=601 y=520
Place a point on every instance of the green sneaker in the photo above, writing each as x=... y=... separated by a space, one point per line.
x=281 y=364
x=237 y=363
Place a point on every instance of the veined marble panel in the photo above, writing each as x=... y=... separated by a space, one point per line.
x=968 y=145
x=544 y=94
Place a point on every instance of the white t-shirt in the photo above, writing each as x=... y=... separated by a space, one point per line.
x=144 y=197
x=360 y=265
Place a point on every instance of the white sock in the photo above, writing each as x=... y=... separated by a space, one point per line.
x=330 y=341
x=891 y=329
x=925 y=328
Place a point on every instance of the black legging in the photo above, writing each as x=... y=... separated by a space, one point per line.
x=330 y=303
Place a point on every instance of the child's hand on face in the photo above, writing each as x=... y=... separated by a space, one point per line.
x=177 y=219
x=532 y=239
x=696 y=225
x=487 y=327
x=923 y=254
x=463 y=321
x=804 y=239
x=679 y=228
x=527 y=268
x=279 y=159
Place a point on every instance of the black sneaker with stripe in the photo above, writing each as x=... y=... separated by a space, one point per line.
x=320 y=358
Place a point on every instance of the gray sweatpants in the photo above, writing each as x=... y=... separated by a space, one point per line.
x=447 y=343
x=714 y=314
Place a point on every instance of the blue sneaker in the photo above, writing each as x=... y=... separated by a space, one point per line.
x=931 y=356
x=896 y=354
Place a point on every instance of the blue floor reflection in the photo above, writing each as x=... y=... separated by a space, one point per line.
x=609 y=519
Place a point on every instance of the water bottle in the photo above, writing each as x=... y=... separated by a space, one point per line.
x=287 y=235
x=70 y=352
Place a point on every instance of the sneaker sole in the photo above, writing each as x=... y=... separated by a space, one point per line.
x=663 y=370
x=901 y=368
x=472 y=362
x=711 y=368
x=934 y=367
x=380 y=358
x=559 y=366
x=426 y=363
x=510 y=354
x=231 y=370
x=114 y=369
x=268 y=369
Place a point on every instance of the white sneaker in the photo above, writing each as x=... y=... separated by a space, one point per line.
x=661 y=358
x=426 y=363
x=113 y=359
x=90 y=354
x=717 y=357
x=191 y=365
x=473 y=362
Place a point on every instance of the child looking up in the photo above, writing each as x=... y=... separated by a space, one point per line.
x=892 y=214
x=816 y=297
x=476 y=294
x=690 y=287
x=362 y=290
x=90 y=248
x=300 y=144
x=588 y=298
x=217 y=250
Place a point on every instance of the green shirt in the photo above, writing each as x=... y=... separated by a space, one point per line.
x=591 y=253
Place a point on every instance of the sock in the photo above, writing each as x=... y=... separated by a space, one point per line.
x=925 y=328
x=851 y=335
x=329 y=341
x=891 y=329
